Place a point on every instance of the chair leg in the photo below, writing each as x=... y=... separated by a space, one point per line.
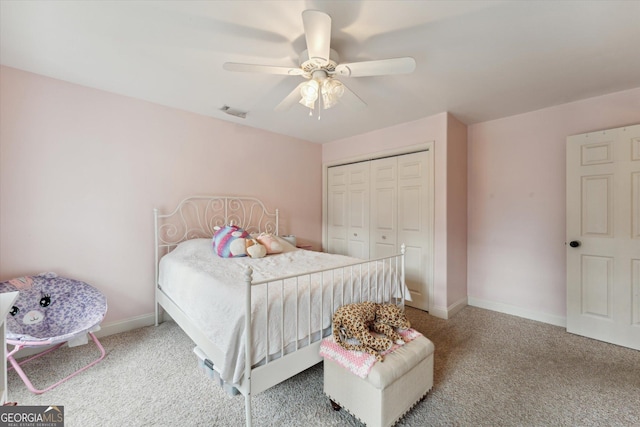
x=42 y=353
x=25 y=379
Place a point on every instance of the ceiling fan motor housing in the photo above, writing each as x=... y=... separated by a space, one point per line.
x=311 y=65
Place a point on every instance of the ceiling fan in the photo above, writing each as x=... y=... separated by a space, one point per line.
x=319 y=66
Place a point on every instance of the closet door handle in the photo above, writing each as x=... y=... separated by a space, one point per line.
x=384 y=237
x=355 y=234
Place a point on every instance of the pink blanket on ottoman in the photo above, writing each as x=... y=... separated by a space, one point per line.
x=358 y=362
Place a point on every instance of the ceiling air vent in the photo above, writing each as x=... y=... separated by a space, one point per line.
x=234 y=112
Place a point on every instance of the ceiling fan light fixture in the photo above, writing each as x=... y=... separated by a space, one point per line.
x=309 y=91
x=332 y=90
x=307 y=103
x=328 y=101
x=333 y=87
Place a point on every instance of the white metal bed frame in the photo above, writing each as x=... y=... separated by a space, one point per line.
x=197 y=217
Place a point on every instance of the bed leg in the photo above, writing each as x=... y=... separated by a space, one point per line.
x=159 y=314
x=334 y=405
x=247 y=409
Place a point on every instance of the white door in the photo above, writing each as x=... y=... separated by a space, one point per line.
x=401 y=214
x=415 y=224
x=384 y=207
x=337 y=209
x=348 y=210
x=358 y=210
x=603 y=235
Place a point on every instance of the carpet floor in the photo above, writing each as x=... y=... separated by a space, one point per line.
x=491 y=369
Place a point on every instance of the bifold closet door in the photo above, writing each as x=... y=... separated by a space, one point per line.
x=337 y=210
x=384 y=207
x=415 y=224
x=400 y=213
x=348 y=210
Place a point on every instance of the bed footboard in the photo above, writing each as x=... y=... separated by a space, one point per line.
x=318 y=294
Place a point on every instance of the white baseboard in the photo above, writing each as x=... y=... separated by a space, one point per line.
x=126 y=325
x=106 y=329
x=518 y=311
x=450 y=311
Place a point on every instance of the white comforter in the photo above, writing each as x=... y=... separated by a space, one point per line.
x=211 y=291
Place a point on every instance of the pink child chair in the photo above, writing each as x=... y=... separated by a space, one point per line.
x=51 y=311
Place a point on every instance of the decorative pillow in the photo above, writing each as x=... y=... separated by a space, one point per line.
x=255 y=249
x=230 y=241
x=270 y=242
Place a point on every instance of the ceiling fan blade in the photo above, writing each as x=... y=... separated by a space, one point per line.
x=267 y=69
x=291 y=99
x=317 y=31
x=377 y=68
x=351 y=100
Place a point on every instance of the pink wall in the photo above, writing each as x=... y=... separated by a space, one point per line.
x=434 y=129
x=82 y=169
x=516 y=202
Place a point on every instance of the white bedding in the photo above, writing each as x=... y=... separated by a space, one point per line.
x=211 y=291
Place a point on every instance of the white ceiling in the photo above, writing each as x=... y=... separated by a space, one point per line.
x=479 y=60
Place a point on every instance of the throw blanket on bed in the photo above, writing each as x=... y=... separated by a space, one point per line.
x=359 y=362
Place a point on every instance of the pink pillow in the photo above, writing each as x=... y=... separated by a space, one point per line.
x=270 y=242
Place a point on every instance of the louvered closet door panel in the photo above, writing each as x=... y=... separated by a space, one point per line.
x=337 y=209
x=384 y=207
x=414 y=224
x=358 y=210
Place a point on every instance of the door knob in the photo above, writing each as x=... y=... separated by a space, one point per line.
x=574 y=243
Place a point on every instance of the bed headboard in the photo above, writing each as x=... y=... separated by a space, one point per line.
x=196 y=216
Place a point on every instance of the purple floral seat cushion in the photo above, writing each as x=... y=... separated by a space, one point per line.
x=52 y=308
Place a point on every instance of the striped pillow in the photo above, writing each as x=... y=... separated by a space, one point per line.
x=229 y=241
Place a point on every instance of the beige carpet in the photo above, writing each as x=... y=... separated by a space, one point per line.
x=492 y=369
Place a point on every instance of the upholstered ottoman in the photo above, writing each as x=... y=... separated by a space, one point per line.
x=390 y=389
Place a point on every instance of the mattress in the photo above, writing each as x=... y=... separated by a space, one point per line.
x=211 y=291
